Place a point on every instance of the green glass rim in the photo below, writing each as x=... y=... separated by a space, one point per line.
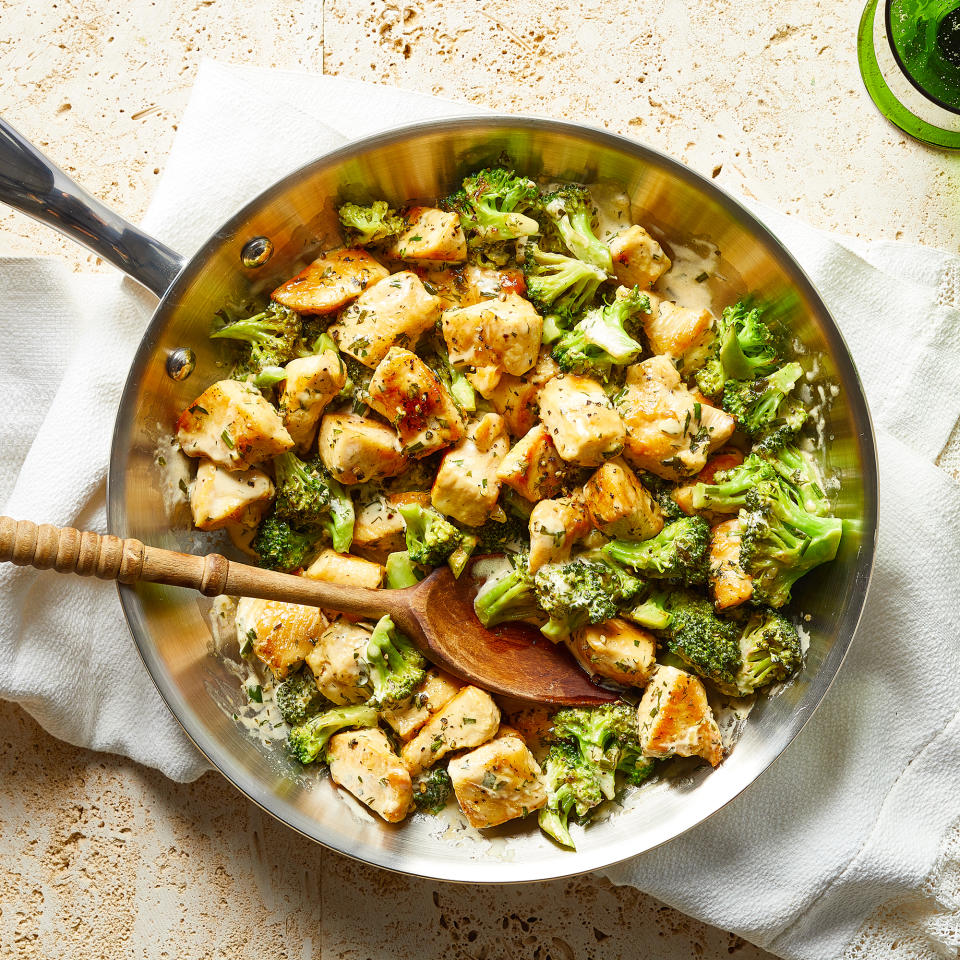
x=904 y=69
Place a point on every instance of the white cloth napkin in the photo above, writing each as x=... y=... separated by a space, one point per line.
x=848 y=844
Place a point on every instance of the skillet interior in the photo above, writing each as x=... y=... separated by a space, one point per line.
x=298 y=214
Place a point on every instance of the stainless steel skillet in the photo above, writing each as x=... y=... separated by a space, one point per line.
x=298 y=214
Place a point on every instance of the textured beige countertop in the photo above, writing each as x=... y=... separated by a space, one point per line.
x=102 y=858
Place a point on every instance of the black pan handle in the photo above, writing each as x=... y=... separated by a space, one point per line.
x=29 y=182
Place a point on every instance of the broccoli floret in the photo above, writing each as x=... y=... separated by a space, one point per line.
x=584 y=590
x=798 y=468
x=572 y=790
x=633 y=765
x=728 y=492
x=662 y=492
x=297 y=698
x=570 y=208
x=678 y=552
x=761 y=406
x=780 y=541
x=339 y=524
x=308 y=740
x=770 y=651
x=600 y=340
x=281 y=546
x=366 y=225
x=393 y=665
x=511 y=598
x=600 y=734
x=707 y=644
x=492 y=206
x=303 y=491
x=431 y=790
x=458 y=560
x=401 y=571
x=502 y=536
x=355 y=387
x=273 y=337
x=430 y=537
x=746 y=347
x=560 y=286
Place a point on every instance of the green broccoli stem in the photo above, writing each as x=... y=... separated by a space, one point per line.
x=402 y=571
x=342 y=518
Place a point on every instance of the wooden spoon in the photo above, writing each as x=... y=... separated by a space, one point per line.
x=437 y=614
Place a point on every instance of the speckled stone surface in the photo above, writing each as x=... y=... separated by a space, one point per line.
x=102 y=858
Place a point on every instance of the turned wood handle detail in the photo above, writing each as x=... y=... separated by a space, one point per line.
x=94 y=555
x=69 y=551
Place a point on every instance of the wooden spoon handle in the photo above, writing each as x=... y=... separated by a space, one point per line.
x=91 y=554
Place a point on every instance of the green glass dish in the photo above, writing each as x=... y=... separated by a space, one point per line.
x=924 y=37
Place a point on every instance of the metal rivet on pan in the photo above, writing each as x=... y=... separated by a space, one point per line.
x=180 y=363
x=256 y=252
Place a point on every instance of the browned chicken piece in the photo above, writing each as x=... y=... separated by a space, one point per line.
x=467 y=284
x=394 y=312
x=311 y=383
x=467 y=720
x=492 y=338
x=497 y=782
x=667 y=428
x=584 y=426
x=729 y=583
x=555 y=526
x=331 y=282
x=517 y=399
x=436 y=692
x=684 y=333
x=232 y=425
x=281 y=634
x=363 y=762
x=466 y=486
x=335 y=662
x=533 y=467
x=405 y=391
x=534 y=723
x=674 y=718
x=724 y=459
x=617 y=650
x=431 y=234
x=620 y=505
x=220 y=497
x=333 y=567
x=356 y=449
x=638 y=260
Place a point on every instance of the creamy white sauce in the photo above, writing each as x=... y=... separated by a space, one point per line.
x=680 y=283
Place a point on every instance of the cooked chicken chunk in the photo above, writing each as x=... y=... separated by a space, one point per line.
x=431 y=234
x=356 y=449
x=466 y=487
x=220 y=497
x=335 y=662
x=282 y=634
x=405 y=391
x=331 y=282
x=584 y=427
x=463 y=286
x=534 y=723
x=231 y=424
x=533 y=467
x=469 y=719
x=638 y=260
x=666 y=430
x=436 y=692
x=312 y=382
x=555 y=526
x=620 y=505
x=493 y=338
x=392 y=313
x=617 y=650
x=681 y=332
x=517 y=399
x=363 y=762
x=333 y=567
x=729 y=584
x=497 y=782
x=674 y=718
